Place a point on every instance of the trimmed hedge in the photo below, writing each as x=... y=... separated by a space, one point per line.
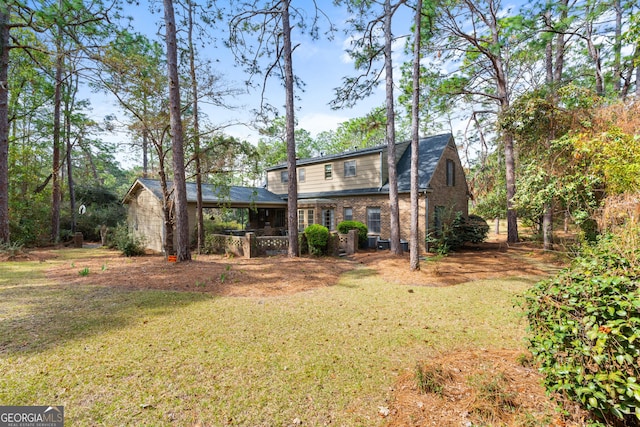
x=317 y=238
x=345 y=226
x=585 y=331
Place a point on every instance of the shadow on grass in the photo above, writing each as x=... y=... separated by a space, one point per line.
x=350 y=279
x=34 y=318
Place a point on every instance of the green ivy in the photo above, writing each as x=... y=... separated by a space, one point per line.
x=585 y=331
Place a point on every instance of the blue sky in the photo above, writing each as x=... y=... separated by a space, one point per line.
x=321 y=64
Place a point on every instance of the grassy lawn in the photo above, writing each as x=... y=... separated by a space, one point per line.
x=130 y=357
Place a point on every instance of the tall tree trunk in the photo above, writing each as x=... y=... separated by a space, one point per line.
x=510 y=171
x=547 y=217
x=57 y=106
x=183 y=252
x=547 y=226
x=167 y=211
x=145 y=142
x=617 y=48
x=560 y=45
x=414 y=259
x=196 y=129
x=394 y=212
x=292 y=189
x=67 y=137
x=4 y=123
x=548 y=51
x=509 y=151
x=594 y=52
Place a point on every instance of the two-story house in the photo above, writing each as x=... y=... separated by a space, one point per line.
x=348 y=186
x=355 y=186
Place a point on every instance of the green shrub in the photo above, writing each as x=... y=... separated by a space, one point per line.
x=219 y=227
x=457 y=232
x=126 y=242
x=11 y=249
x=585 y=330
x=317 y=239
x=475 y=229
x=345 y=226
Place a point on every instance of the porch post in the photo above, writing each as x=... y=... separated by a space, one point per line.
x=249 y=245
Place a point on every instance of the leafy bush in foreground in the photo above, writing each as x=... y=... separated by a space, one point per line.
x=345 y=226
x=317 y=238
x=457 y=232
x=585 y=331
x=126 y=242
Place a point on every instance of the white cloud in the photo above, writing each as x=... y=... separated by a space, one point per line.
x=347 y=44
x=319 y=122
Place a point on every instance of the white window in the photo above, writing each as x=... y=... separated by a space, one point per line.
x=328 y=171
x=301 y=175
x=373 y=220
x=305 y=218
x=350 y=168
x=348 y=214
x=284 y=176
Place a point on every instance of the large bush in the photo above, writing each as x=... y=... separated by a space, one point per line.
x=317 y=238
x=345 y=226
x=457 y=232
x=585 y=329
x=126 y=242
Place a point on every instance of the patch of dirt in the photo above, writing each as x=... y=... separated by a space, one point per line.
x=485 y=261
x=214 y=274
x=497 y=388
x=22 y=255
x=280 y=275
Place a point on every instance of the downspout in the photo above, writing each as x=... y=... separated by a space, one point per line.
x=381 y=173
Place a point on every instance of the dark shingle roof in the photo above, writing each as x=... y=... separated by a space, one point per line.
x=214 y=195
x=330 y=157
x=430 y=150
